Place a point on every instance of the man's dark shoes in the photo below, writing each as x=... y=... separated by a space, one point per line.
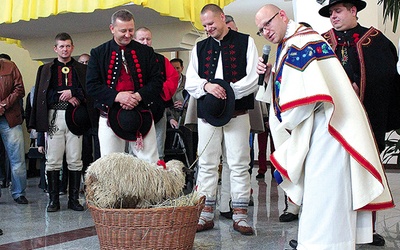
x=293 y=244
x=377 y=240
x=74 y=205
x=227 y=215
x=287 y=217
x=53 y=206
x=1 y=232
x=260 y=176
x=21 y=200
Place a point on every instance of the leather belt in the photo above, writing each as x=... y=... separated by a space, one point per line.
x=236 y=113
x=59 y=106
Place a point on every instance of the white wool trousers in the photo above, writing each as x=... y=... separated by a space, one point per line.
x=110 y=143
x=225 y=186
x=62 y=141
x=235 y=136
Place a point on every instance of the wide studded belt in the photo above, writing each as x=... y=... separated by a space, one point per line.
x=59 y=106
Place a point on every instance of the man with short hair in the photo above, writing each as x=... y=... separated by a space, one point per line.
x=59 y=84
x=124 y=73
x=11 y=92
x=376 y=84
x=231 y=23
x=84 y=58
x=324 y=147
x=144 y=36
x=231 y=56
x=175 y=111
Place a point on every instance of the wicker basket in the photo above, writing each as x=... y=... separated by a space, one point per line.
x=153 y=228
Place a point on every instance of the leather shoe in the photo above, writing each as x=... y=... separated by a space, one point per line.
x=21 y=200
x=1 y=232
x=287 y=217
x=227 y=215
x=245 y=230
x=53 y=206
x=206 y=226
x=377 y=240
x=74 y=205
x=293 y=244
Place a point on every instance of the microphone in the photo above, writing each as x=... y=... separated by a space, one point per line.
x=266 y=50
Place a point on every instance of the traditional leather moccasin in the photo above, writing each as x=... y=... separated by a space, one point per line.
x=243 y=229
x=207 y=225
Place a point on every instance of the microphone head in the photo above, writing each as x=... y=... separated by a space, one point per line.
x=266 y=49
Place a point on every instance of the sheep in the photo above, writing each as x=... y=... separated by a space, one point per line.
x=120 y=180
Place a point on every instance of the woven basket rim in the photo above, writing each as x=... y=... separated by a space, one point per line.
x=200 y=202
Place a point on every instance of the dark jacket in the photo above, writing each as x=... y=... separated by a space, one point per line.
x=11 y=91
x=39 y=114
x=378 y=79
x=104 y=68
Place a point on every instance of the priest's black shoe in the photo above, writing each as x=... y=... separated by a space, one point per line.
x=287 y=217
x=377 y=240
x=293 y=244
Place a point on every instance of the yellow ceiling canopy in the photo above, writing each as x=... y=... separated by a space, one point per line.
x=186 y=10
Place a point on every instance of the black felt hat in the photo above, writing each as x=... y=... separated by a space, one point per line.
x=215 y=111
x=324 y=11
x=129 y=124
x=77 y=119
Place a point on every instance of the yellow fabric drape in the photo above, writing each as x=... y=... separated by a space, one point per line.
x=13 y=11
x=11 y=41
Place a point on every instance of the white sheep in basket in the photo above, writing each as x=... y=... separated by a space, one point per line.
x=120 y=180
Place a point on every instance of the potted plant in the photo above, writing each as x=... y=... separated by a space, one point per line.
x=392 y=147
x=391 y=9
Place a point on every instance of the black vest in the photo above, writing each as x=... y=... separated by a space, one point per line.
x=233 y=49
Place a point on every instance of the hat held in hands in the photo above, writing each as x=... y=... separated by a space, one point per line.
x=129 y=124
x=215 y=111
x=77 y=119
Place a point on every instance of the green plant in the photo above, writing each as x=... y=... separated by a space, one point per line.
x=392 y=147
x=391 y=9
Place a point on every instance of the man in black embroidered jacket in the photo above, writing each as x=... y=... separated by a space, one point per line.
x=125 y=72
x=144 y=36
x=59 y=84
x=369 y=59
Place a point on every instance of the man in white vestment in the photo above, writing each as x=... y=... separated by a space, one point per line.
x=325 y=151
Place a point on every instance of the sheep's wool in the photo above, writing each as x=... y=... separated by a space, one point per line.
x=120 y=180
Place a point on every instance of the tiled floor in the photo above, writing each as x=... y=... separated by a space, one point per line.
x=30 y=227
